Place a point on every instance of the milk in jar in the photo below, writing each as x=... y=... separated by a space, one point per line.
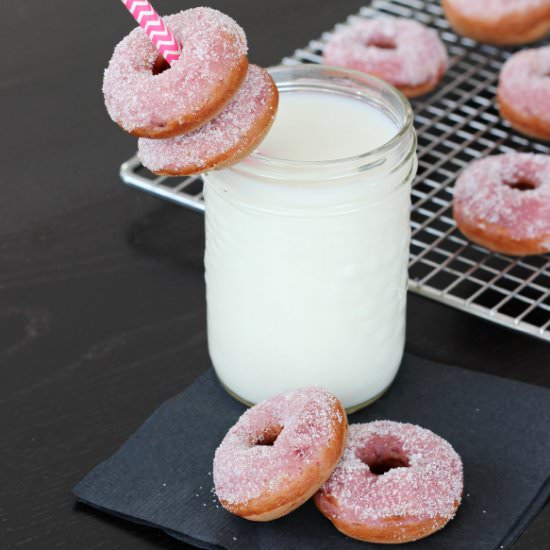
x=307 y=243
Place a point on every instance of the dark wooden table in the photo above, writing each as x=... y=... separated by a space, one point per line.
x=102 y=313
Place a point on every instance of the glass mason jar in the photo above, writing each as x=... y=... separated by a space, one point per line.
x=306 y=261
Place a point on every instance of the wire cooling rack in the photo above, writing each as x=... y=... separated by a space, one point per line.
x=456 y=124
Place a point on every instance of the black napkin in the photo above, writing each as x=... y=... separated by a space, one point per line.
x=162 y=476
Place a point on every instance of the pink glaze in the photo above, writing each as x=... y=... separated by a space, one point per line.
x=429 y=487
x=525 y=83
x=492 y=11
x=212 y=46
x=483 y=195
x=413 y=54
x=226 y=133
x=244 y=470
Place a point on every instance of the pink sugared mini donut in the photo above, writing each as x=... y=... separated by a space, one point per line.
x=279 y=453
x=503 y=203
x=405 y=53
x=148 y=101
x=524 y=92
x=499 y=22
x=395 y=483
x=226 y=139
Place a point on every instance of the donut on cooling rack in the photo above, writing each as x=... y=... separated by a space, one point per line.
x=523 y=93
x=503 y=203
x=501 y=22
x=395 y=483
x=226 y=139
x=148 y=98
x=279 y=453
x=405 y=53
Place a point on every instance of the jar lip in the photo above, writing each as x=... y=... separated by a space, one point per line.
x=313 y=71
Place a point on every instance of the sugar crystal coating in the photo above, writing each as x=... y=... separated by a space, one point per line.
x=429 y=487
x=212 y=46
x=245 y=470
x=226 y=133
x=400 y=51
x=485 y=194
x=525 y=83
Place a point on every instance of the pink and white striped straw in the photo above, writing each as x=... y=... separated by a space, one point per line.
x=154 y=26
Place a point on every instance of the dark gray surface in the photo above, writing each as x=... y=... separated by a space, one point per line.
x=163 y=475
x=101 y=288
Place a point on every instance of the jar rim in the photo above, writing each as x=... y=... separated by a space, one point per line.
x=313 y=72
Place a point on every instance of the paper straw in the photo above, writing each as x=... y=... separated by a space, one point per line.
x=151 y=22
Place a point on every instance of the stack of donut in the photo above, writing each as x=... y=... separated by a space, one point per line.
x=382 y=481
x=207 y=110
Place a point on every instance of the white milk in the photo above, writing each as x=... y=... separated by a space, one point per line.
x=317 y=126
x=306 y=265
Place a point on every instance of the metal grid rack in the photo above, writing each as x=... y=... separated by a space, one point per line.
x=456 y=123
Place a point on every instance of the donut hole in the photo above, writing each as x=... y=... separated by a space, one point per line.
x=523 y=184
x=268 y=437
x=160 y=65
x=383 y=454
x=382 y=43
